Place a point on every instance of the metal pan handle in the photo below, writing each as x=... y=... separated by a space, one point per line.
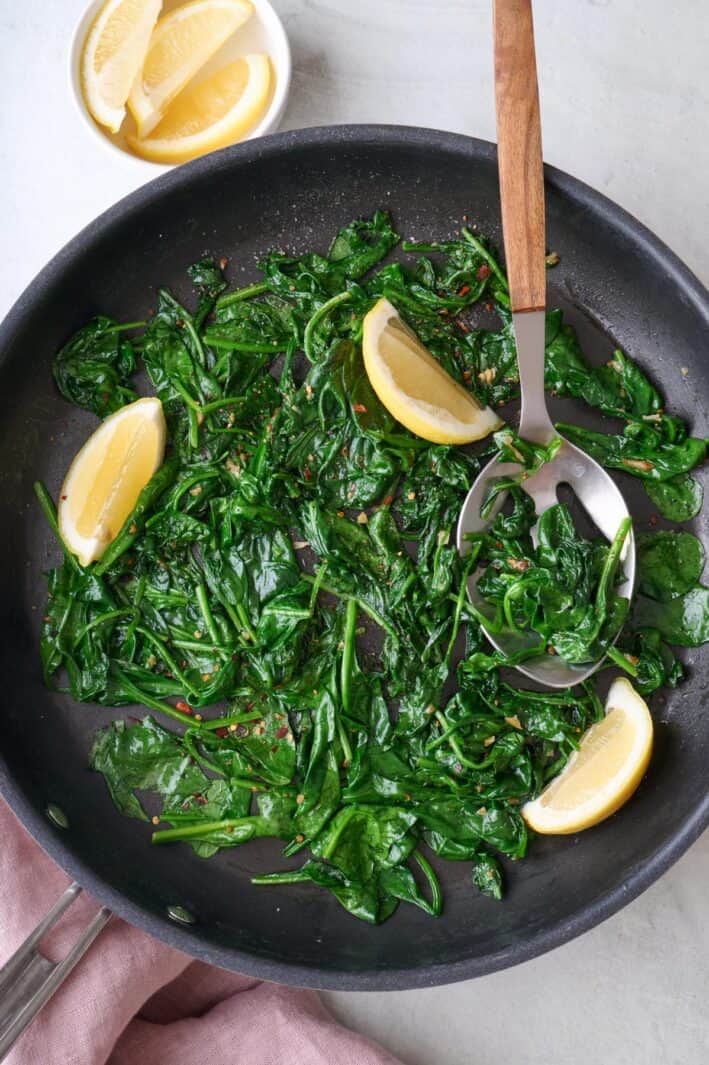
x=29 y=979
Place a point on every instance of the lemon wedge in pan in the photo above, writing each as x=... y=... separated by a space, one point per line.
x=603 y=773
x=107 y=476
x=414 y=387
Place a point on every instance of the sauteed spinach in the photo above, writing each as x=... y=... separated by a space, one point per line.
x=287 y=592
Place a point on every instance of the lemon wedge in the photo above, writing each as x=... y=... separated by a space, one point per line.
x=218 y=111
x=603 y=773
x=107 y=476
x=113 y=54
x=414 y=387
x=181 y=43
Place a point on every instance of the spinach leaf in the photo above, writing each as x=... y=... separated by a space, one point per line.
x=669 y=564
x=94 y=368
x=683 y=621
x=677 y=499
x=640 y=451
x=145 y=757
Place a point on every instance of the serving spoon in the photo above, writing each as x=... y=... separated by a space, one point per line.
x=519 y=138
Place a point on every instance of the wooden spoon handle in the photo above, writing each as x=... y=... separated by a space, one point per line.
x=519 y=150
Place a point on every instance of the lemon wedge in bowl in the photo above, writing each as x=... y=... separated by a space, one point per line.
x=605 y=771
x=414 y=387
x=113 y=54
x=218 y=111
x=181 y=43
x=107 y=476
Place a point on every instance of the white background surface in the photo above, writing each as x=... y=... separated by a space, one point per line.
x=624 y=103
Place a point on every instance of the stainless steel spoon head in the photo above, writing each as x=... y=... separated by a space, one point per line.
x=594 y=488
x=602 y=501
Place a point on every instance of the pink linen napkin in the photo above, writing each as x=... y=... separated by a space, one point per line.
x=133 y=1001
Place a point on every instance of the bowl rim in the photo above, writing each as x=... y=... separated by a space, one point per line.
x=269 y=122
x=641 y=875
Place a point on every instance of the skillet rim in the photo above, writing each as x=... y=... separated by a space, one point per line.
x=191 y=942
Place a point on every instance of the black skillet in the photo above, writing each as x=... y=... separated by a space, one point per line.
x=619 y=286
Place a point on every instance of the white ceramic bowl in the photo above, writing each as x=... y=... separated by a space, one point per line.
x=263 y=32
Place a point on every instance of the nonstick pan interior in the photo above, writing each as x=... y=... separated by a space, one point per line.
x=618 y=285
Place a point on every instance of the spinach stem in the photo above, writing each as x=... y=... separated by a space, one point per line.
x=346 y=663
x=485 y=254
x=610 y=566
x=217 y=404
x=427 y=870
x=231 y=719
x=239 y=294
x=224 y=344
x=188 y=323
x=469 y=562
x=142 y=698
x=455 y=746
x=206 y=612
x=110 y=615
x=364 y=607
x=317 y=317
x=191 y=402
x=348 y=649
x=137 y=601
x=50 y=512
x=191 y=745
x=193 y=421
x=621 y=660
x=190 y=482
x=340 y=827
x=291 y=876
x=168 y=659
x=204 y=828
x=125 y=326
x=317 y=584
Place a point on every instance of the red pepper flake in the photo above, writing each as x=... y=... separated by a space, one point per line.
x=462 y=326
x=464 y=290
x=65 y=497
x=483 y=272
x=359 y=408
x=489 y=308
x=387 y=501
x=281 y=732
x=307 y=473
x=183 y=707
x=222 y=732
